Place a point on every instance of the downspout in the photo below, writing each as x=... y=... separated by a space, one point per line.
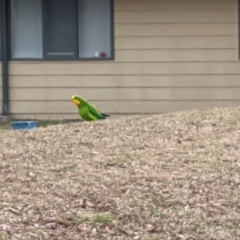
x=238 y=29
x=4 y=50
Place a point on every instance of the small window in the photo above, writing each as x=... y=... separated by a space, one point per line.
x=62 y=29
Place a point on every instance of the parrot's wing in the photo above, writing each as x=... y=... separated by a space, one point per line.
x=87 y=115
x=93 y=110
x=96 y=113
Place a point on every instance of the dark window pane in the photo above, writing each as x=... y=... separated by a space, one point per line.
x=61 y=28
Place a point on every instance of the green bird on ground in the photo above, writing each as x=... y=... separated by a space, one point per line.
x=86 y=110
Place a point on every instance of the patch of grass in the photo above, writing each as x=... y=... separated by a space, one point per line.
x=81 y=218
x=5 y=126
x=184 y=214
x=157 y=213
x=159 y=201
x=201 y=227
x=102 y=219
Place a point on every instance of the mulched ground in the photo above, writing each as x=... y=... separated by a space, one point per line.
x=171 y=176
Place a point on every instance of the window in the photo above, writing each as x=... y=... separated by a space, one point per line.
x=26 y=29
x=92 y=34
x=62 y=29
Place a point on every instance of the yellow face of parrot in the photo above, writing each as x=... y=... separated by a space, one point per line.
x=76 y=101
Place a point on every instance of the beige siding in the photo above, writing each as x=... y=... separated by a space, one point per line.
x=174 y=5
x=120 y=81
x=169 y=55
x=128 y=94
x=175 y=29
x=174 y=43
x=124 y=68
x=184 y=16
x=63 y=107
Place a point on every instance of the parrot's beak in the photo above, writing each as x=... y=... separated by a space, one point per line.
x=75 y=101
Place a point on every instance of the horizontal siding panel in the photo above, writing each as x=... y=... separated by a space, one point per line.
x=173 y=5
x=65 y=108
x=45 y=116
x=205 y=16
x=176 y=42
x=118 y=94
x=177 y=55
x=192 y=29
x=116 y=68
x=60 y=116
x=124 y=81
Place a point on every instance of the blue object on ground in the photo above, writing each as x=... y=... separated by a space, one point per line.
x=22 y=125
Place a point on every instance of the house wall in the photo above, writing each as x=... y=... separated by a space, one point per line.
x=169 y=55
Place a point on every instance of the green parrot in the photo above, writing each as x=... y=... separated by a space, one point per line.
x=86 y=110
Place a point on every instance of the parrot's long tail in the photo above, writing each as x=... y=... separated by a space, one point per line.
x=104 y=116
